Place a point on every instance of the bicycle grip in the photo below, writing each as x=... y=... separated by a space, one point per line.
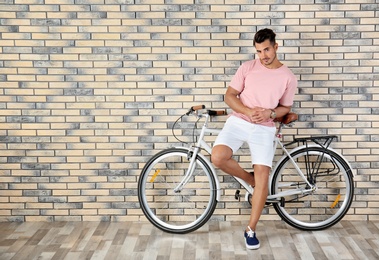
x=194 y=108
x=216 y=112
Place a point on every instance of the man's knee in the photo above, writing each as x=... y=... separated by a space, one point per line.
x=220 y=154
x=216 y=160
x=261 y=175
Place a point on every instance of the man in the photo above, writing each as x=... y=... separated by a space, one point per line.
x=261 y=90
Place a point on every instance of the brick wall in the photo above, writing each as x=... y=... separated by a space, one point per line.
x=90 y=88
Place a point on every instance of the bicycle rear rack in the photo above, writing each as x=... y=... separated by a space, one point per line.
x=328 y=139
x=324 y=142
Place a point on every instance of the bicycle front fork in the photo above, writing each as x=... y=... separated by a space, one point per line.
x=189 y=172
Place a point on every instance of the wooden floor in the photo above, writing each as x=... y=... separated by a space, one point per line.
x=216 y=240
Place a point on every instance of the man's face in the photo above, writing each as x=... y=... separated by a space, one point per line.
x=266 y=52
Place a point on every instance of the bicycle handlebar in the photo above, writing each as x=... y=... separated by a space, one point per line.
x=194 y=108
x=210 y=112
x=216 y=112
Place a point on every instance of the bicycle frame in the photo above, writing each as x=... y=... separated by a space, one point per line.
x=201 y=144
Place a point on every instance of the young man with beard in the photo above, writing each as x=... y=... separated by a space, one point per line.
x=261 y=90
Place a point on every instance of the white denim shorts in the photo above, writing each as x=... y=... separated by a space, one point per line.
x=260 y=139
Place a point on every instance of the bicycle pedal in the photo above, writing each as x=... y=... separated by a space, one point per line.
x=237 y=195
x=282 y=202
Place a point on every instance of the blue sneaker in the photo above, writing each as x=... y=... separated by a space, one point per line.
x=251 y=239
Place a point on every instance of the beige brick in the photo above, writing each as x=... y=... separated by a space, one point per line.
x=38 y=218
x=371 y=20
x=57 y=192
x=76 y=172
x=83 y=212
x=91 y=205
x=65 y=166
x=54 y=212
x=7 y=15
x=22 y=132
x=121 y=212
x=360 y=14
x=106 y=185
x=151 y=15
x=111 y=199
x=180 y=15
x=23 y=199
x=96 y=192
x=23 y=186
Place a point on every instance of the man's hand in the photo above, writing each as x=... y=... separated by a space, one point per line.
x=259 y=115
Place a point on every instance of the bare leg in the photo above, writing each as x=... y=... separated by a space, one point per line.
x=261 y=174
x=222 y=158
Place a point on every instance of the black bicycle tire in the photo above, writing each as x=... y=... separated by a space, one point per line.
x=350 y=177
x=147 y=212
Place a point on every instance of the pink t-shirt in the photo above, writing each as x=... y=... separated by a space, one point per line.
x=263 y=87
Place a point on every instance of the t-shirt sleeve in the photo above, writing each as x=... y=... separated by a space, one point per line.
x=289 y=94
x=238 y=80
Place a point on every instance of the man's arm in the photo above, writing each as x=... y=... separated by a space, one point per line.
x=257 y=114
x=281 y=110
x=233 y=101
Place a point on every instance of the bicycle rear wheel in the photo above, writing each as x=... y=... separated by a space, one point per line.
x=331 y=198
x=176 y=212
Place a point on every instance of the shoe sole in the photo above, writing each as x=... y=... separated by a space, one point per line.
x=252 y=247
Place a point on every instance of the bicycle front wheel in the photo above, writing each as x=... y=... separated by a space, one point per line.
x=331 y=197
x=176 y=211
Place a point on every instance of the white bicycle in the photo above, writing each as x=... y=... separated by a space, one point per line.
x=311 y=187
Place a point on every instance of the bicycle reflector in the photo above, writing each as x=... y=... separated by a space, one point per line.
x=155 y=175
x=336 y=201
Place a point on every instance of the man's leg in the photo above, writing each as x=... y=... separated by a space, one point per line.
x=261 y=174
x=222 y=158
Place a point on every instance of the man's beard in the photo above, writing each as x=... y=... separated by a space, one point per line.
x=268 y=62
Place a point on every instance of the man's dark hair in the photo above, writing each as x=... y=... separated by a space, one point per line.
x=263 y=35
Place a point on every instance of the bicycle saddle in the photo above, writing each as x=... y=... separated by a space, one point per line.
x=287 y=119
